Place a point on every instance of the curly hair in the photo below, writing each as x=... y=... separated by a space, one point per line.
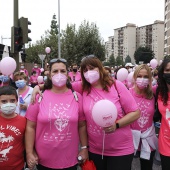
x=105 y=79
x=162 y=89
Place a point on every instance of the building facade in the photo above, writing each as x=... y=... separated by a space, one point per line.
x=152 y=36
x=125 y=41
x=167 y=28
x=109 y=47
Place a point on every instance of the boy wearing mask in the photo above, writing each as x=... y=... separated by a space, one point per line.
x=12 y=130
x=36 y=69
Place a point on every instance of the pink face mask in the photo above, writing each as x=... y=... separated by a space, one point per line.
x=59 y=80
x=92 y=76
x=142 y=82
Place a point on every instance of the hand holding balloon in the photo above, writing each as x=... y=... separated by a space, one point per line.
x=104 y=114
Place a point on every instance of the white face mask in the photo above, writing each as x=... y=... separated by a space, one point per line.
x=35 y=66
x=8 y=108
x=22 y=66
x=92 y=76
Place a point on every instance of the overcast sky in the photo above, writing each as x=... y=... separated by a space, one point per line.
x=107 y=14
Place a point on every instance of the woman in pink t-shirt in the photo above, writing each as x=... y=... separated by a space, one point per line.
x=143 y=128
x=56 y=124
x=164 y=108
x=111 y=147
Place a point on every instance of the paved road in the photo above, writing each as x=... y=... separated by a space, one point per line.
x=136 y=165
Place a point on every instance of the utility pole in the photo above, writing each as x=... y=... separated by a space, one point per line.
x=16 y=24
x=59 y=45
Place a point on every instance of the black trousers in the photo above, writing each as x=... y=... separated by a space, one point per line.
x=40 y=167
x=112 y=162
x=147 y=164
x=165 y=161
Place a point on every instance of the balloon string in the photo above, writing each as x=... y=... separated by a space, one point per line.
x=103 y=144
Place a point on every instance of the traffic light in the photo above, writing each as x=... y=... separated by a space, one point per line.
x=23 y=23
x=16 y=39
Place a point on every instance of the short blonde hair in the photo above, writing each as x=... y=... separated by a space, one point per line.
x=22 y=74
x=148 y=90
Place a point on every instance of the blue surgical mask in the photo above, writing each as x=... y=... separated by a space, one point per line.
x=4 y=79
x=20 y=84
x=45 y=78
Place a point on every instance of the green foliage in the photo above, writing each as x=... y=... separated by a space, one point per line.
x=166 y=57
x=119 y=61
x=112 y=60
x=144 y=54
x=127 y=59
x=74 y=43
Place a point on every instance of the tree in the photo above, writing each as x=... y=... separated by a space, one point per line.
x=127 y=59
x=119 y=61
x=144 y=54
x=112 y=60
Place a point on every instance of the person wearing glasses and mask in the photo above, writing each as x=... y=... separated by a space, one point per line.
x=24 y=92
x=74 y=74
x=163 y=92
x=56 y=124
x=97 y=85
x=145 y=140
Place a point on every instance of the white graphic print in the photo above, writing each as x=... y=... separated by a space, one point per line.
x=58 y=117
x=144 y=117
x=168 y=116
x=4 y=139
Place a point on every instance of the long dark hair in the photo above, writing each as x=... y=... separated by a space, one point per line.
x=48 y=84
x=162 y=89
x=105 y=79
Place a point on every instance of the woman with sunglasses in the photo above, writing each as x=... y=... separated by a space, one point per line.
x=55 y=123
x=117 y=152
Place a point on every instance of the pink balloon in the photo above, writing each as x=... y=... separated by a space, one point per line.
x=153 y=63
x=40 y=79
x=130 y=77
x=122 y=74
x=8 y=65
x=42 y=70
x=160 y=62
x=47 y=50
x=104 y=113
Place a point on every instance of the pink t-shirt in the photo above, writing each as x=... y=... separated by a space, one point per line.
x=164 y=133
x=57 y=137
x=33 y=79
x=76 y=77
x=147 y=108
x=25 y=71
x=37 y=70
x=120 y=142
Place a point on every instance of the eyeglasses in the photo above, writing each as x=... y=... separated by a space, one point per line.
x=58 y=59
x=89 y=56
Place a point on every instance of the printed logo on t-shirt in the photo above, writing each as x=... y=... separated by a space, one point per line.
x=5 y=140
x=168 y=116
x=144 y=117
x=61 y=123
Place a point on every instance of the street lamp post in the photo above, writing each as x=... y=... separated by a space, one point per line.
x=42 y=57
x=59 y=45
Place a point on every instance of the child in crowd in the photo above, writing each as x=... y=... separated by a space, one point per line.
x=12 y=130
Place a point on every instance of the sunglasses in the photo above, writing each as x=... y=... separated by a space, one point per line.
x=89 y=56
x=58 y=60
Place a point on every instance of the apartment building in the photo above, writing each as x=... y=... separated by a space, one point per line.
x=125 y=41
x=152 y=36
x=109 y=47
x=167 y=28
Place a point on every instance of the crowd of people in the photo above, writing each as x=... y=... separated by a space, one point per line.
x=49 y=124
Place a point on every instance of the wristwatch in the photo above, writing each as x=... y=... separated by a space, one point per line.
x=117 y=125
